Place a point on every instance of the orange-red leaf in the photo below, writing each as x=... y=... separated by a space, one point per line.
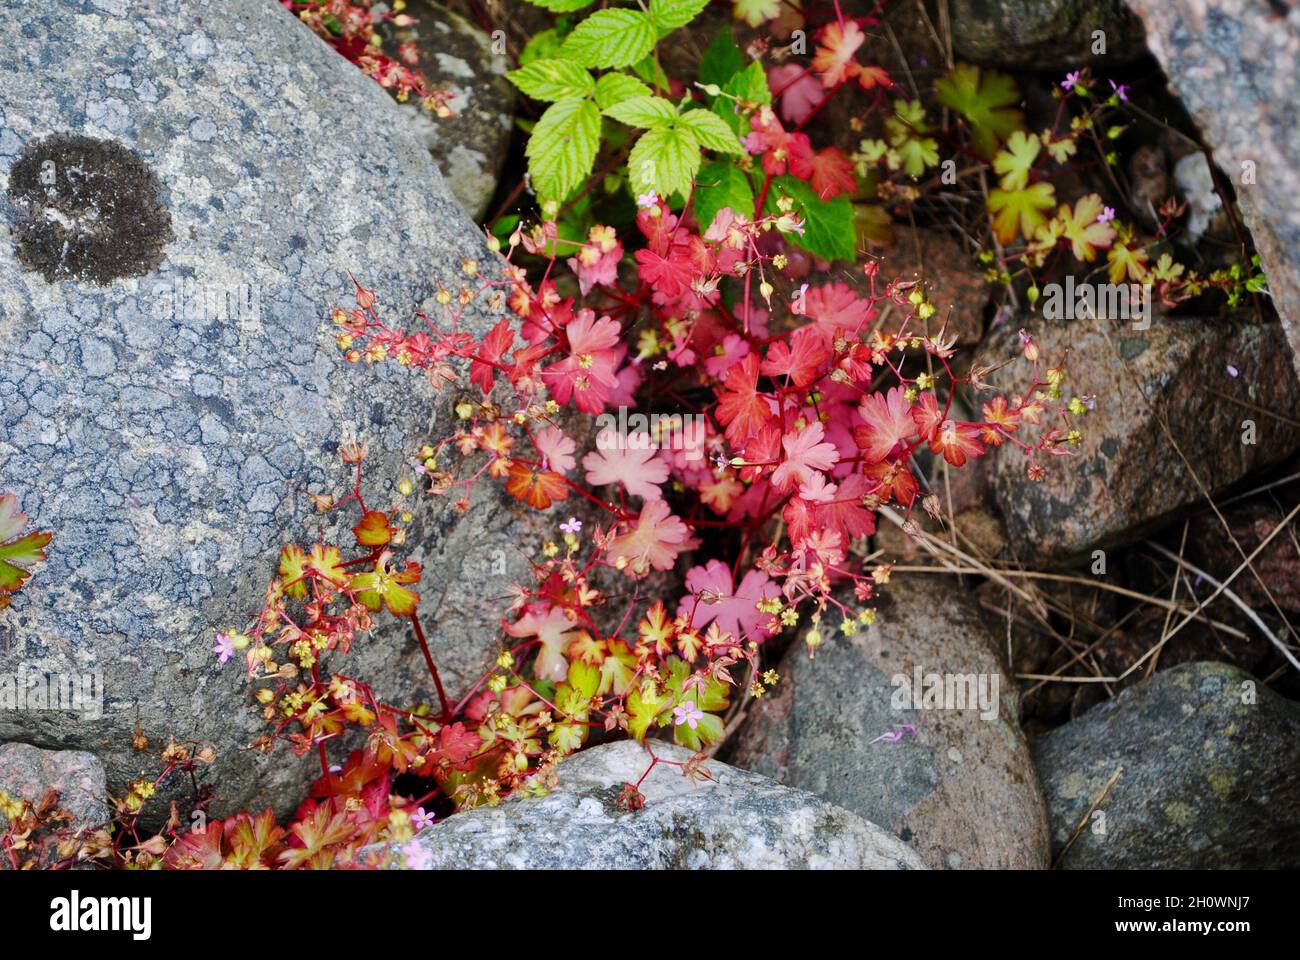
x=374 y=529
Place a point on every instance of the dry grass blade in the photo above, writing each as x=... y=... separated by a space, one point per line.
x=1114 y=777
x=1222 y=588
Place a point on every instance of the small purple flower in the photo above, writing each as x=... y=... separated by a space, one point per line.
x=688 y=713
x=647 y=200
x=1233 y=372
x=1107 y=215
x=572 y=525
x=1071 y=80
x=1121 y=90
x=224 y=647
x=421 y=819
x=417 y=856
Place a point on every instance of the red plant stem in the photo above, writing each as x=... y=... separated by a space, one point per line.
x=433 y=669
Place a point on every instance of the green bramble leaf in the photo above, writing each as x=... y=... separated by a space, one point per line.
x=828 y=230
x=721 y=184
x=553 y=80
x=648 y=69
x=668 y=15
x=722 y=60
x=711 y=130
x=987 y=99
x=664 y=161
x=611 y=38
x=543 y=46
x=614 y=88
x=561 y=6
x=562 y=148
x=749 y=85
x=645 y=112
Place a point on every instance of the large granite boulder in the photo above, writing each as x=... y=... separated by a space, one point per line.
x=1233 y=64
x=1053 y=35
x=958 y=786
x=729 y=820
x=1207 y=759
x=186 y=186
x=1205 y=379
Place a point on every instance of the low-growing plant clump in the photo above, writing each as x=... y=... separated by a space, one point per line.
x=675 y=258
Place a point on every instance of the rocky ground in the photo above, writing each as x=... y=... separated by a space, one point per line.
x=1133 y=617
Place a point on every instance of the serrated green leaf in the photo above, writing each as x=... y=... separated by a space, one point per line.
x=562 y=148
x=611 y=38
x=645 y=112
x=750 y=84
x=614 y=88
x=664 y=161
x=828 y=230
x=711 y=130
x=561 y=6
x=648 y=69
x=721 y=184
x=554 y=79
x=722 y=60
x=987 y=99
x=543 y=46
x=668 y=15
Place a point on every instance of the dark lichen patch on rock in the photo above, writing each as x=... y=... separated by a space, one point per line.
x=87 y=209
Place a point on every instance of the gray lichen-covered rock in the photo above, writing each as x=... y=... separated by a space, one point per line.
x=1209 y=760
x=185 y=187
x=1233 y=64
x=959 y=788
x=456 y=56
x=734 y=820
x=1045 y=34
x=1221 y=387
x=28 y=773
